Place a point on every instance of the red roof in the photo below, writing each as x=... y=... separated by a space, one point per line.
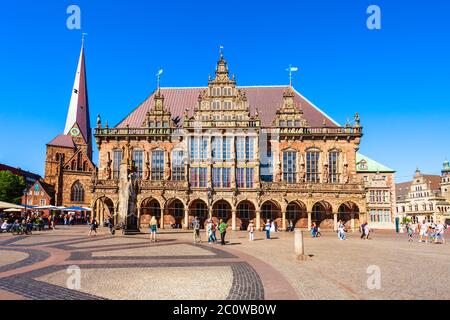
x=266 y=99
x=62 y=140
x=19 y=172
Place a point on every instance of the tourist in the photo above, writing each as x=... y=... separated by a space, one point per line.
x=362 y=229
x=313 y=230
x=93 y=227
x=409 y=231
x=71 y=220
x=209 y=227
x=267 y=228
x=251 y=231
x=153 y=229
x=341 y=231
x=423 y=230
x=196 y=227
x=367 y=231
x=223 y=231
x=65 y=220
x=5 y=226
x=440 y=228
x=291 y=226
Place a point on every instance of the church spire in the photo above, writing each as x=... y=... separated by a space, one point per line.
x=78 y=114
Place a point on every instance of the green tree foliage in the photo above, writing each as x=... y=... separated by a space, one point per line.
x=11 y=187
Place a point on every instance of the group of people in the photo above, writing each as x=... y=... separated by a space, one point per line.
x=428 y=232
x=211 y=228
x=315 y=230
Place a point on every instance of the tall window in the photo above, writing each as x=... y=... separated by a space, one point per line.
x=312 y=166
x=240 y=148
x=290 y=166
x=249 y=179
x=117 y=159
x=240 y=177
x=199 y=177
x=158 y=165
x=138 y=158
x=221 y=177
x=204 y=148
x=333 y=162
x=178 y=165
x=194 y=148
x=250 y=148
x=226 y=149
x=216 y=148
x=77 y=194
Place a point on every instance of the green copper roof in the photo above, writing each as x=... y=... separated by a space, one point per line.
x=365 y=164
x=446 y=166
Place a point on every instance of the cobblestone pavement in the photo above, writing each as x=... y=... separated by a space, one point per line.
x=130 y=267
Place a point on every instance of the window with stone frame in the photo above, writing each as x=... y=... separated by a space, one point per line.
x=226 y=148
x=290 y=166
x=117 y=159
x=249 y=177
x=312 y=166
x=249 y=148
x=77 y=192
x=240 y=148
x=157 y=165
x=216 y=148
x=138 y=159
x=333 y=165
x=240 y=177
x=178 y=171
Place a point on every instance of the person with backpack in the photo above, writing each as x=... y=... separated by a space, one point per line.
x=409 y=231
x=196 y=227
x=362 y=229
x=93 y=227
x=223 y=231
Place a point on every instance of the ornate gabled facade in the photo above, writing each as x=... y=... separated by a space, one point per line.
x=68 y=165
x=425 y=197
x=232 y=153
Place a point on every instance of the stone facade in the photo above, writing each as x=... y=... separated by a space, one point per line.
x=219 y=159
x=424 y=198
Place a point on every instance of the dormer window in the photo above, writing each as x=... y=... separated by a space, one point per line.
x=216 y=92
x=227 y=92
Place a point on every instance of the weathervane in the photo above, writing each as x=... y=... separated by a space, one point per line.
x=221 y=51
x=158 y=77
x=83 y=35
x=291 y=69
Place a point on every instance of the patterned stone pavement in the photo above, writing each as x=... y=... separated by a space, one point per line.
x=130 y=267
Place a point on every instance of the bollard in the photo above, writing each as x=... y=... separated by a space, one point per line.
x=299 y=245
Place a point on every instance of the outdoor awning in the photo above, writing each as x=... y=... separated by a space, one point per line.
x=6 y=205
x=81 y=209
x=46 y=208
x=13 y=210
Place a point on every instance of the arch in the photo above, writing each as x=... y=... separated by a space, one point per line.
x=271 y=210
x=321 y=215
x=222 y=210
x=77 y=192
x=174 y=214
x=347 y=211
x=245 y=212
x=297 y=213
x=198 y=208
x=150 y=207
x=103 y=209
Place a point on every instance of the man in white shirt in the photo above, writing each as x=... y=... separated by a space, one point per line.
x=423 y=229
x=440 y=233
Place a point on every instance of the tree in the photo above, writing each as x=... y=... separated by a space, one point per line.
x=11 y=187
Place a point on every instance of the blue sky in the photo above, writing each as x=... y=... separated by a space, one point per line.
x=397 y=78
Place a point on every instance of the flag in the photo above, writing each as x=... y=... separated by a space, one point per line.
x=160 y=72
x=292 y=69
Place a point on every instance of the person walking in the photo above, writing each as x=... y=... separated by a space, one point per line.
x=423 y=229
x=251 y=231
x=267 y=228
x=367 y=231
x=196 y=227
x=210 y=227
x=362 y=229
x=409 y=231
x=153 y=229
x=440 y=228
x=223 y=231
x=93 y=227
x=71 y=220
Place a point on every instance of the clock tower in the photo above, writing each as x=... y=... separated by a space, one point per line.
x=69 y=156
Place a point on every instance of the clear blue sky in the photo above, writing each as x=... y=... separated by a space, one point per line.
x=396 y=78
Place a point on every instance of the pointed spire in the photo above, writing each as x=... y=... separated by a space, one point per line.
x=78 y=114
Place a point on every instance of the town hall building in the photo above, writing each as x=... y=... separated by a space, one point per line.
x=221 y=151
